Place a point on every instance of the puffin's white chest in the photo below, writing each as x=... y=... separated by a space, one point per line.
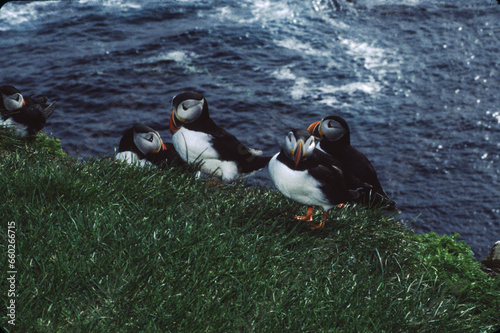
x=131 y=158
x=194 y=146
x=20 y=130
x=297 y=185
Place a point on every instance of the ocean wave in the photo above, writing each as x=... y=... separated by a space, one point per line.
x=14 y=14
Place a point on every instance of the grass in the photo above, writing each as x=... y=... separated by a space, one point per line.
x=107 y=247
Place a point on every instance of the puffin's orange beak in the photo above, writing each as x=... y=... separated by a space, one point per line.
x=314 y=129
x=298 y=153
x=171 y=124
x=162 y=146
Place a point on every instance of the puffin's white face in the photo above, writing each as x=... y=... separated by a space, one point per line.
x=13 y=102
x=189 y=110
x=299 y=146
x=331 y=129
x=149 y=142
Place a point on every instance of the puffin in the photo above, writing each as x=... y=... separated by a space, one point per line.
x=142 y=145
x=198 y=139
x=25 y=114
x=311 y=177
x=335 y=139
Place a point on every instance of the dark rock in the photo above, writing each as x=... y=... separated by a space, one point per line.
x=492 y=261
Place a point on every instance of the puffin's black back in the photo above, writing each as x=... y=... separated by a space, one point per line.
x=204 y=123
x=226 y=144
x=33 y=114
x=6 y=90
x=164 y=158
x=127 y=143
x=359 y=166
x=351 y=158
x=337 y=184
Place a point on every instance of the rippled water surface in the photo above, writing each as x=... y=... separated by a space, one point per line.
x=416 y=80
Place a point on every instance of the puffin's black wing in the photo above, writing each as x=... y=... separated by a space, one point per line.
x=231 y=149
x=127 y=141
x=34 y=100
x=364 y=170
x=338 y=184
x=166 y=157
x=32 y=116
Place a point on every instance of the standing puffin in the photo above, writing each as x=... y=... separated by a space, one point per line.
x=335 y=139
x=305 y=174
x=26 y=115
x=198 y=139
x=142 y=145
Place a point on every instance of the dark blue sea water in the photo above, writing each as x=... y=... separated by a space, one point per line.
x=418 y=82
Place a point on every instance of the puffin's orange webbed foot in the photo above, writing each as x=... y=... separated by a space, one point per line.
x=308 y=217
x=320 y=225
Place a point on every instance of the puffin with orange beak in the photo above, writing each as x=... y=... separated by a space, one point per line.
x=310 y=177
x=25 y=114
x=335 y=140
x=198 y=139
x=142 y=145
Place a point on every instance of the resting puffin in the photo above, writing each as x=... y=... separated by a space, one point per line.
x=198 y=139
x=142 y=145
x=335 y=139
x=26 y=115
x=311 y=177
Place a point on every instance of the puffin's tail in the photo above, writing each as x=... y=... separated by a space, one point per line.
x=367 y=196
x=254 y=161
x=375 y=199
x=47 y=112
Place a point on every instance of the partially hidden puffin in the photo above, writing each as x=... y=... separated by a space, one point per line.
x=335 y=139
x=198 y=139
x=25 y=114
x=142 y=145
x=311 y=177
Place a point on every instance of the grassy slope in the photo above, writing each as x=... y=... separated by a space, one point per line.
x=107 y=247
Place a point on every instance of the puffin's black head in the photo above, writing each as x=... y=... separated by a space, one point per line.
x=142 y=140
x=11 y=98
x=187 y=107
x=299 y=145
x=331 y=129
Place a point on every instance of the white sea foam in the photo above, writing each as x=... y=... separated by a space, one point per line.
x=180 y=57
x=271 y=9
x=372 y=3
x=304 y=87
x=376 y=59
x=15 y=13
x=495 y=115
x=301 y=86
x=303 y=48
x=370 y=87
x=121 y=4
x=251 y=11
x=284 y=73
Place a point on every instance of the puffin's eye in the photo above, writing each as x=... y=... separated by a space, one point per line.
x=150 y=139
x=330 y=124
x=184 y=107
